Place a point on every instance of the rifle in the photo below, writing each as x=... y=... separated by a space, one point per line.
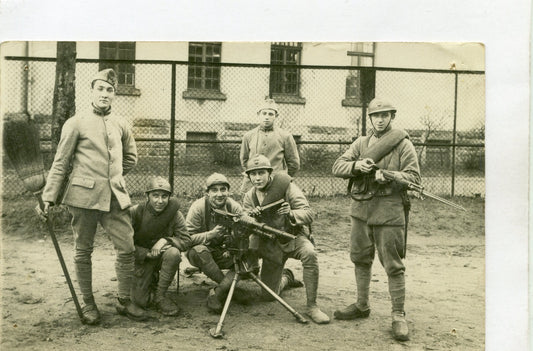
x=418 y=188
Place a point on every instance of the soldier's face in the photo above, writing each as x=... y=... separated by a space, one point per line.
x=259 y=178
x=158 y=199
x=218 y=195
x=267 y=117
x=103 y=94
x=381 y=120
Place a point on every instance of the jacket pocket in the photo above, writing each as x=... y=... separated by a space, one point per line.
x=83 y=182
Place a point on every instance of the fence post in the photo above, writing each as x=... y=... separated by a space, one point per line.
x=172 y=126
x=454 y=133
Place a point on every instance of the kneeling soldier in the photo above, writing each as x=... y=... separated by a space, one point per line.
x=160 y=237
x=294 y=215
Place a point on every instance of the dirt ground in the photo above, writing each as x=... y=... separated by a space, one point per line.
x=444 y=304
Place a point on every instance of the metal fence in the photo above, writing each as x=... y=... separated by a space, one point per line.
x=186 y=134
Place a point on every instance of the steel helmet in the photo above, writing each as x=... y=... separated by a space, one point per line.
x=378 y=105
x=158 y=183
x=258 y=162
x=214 y=179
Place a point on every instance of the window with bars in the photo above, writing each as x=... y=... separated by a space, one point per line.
x=359 y=82
x=203 y=80
x=120 y=50
x=285 y=80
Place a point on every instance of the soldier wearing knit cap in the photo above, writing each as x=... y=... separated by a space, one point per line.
x=101 y=150
x=267 y=139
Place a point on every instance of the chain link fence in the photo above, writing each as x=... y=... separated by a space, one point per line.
x=185 y=133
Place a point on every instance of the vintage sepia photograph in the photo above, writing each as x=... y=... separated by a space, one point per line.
x=243 y=195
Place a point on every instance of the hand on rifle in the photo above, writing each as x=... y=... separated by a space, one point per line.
x=285 y=210
x=43 y=213
x=364 y=166
x=380 y=178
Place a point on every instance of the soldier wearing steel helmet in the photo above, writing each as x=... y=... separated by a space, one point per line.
x=207 y=252
x=378 y=216
x=293 y=215
x=160 y=235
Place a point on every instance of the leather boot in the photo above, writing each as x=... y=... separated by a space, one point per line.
x=400 y=330
x=317 y=315
x=289 y=281
x=129 y=309
x=351 y=312
x=90 y=312
x=217 y=295
x=165 y=305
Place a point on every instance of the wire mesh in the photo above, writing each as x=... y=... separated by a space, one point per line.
x=185 y=133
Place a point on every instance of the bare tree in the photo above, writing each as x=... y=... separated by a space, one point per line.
x=430 y=123
x=64 y=102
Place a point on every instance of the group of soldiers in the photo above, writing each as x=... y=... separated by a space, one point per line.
x=97 y=150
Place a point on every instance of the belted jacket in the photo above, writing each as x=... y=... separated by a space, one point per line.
x=383 y=204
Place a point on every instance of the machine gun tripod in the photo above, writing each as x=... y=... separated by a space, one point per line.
x=236 y=242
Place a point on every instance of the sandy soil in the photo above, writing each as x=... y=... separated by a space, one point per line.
x=445 y=292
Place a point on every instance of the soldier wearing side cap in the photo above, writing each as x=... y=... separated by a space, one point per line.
x=378 y=208
x=160 y=237
x=100 y=148
x=267 y=139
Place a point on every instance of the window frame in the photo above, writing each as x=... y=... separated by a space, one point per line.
x=282 y=88
x=208 y=75
x=123 y=70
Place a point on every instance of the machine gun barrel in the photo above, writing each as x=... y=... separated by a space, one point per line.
x=256 y=227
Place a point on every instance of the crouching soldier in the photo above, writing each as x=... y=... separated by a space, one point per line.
x=160 y=237
x=294 y=215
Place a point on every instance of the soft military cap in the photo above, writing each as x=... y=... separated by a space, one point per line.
x=258 y=162
x=215 y=179
x=107 y=75
x=268 y=104
x=158 y=183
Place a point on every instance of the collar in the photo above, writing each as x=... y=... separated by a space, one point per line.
x=100 y=111
x=265 y=129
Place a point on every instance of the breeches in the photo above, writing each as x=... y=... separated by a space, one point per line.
x=147 y=274
x=388 y=240
x=200 y=255
x=303 y=250
x=117 y=225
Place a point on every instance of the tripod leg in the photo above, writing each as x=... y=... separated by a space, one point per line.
x=295 y=313
x=217 y=332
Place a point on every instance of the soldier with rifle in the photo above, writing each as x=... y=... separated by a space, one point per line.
x=292 y=215
x=379 y=209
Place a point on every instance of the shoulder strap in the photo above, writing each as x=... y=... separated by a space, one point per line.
x=384 y=145
x=207 y=213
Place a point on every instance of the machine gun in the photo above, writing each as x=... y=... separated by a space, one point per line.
x=239 y=227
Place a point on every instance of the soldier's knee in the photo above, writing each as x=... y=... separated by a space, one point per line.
x=172 y=254
x=362 y=258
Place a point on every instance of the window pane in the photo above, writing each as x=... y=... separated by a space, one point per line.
x=204 y=77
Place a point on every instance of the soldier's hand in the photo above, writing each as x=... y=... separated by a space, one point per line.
x=216 y=232
x=43 y=213
x=365 y=165
x=380 y=178
x=255 y=212
x=156 y=249
x=284 y=209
